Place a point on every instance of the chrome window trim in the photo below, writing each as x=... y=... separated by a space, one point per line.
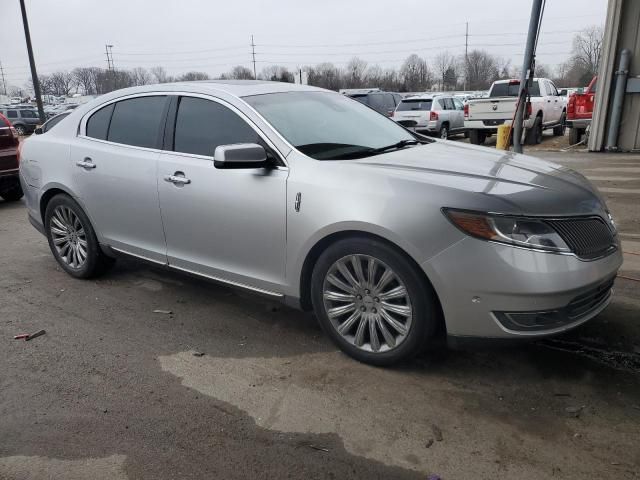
x=83 y=123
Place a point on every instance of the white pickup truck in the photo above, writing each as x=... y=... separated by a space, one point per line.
x=547 y=109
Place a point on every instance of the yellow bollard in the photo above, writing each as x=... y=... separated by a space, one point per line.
x=502 y=140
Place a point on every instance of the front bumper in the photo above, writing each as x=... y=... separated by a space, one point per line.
x=490 y=290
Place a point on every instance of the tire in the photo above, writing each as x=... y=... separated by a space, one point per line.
x=13 y=192
x=414 y=313
x=575 y=134
x=63 y=218
x=560 y=129
x=534 y=134
x=444 y=131
x=20 y=130
x=477 y=137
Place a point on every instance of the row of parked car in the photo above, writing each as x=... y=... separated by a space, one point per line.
x=446 y=114
x=25 y=119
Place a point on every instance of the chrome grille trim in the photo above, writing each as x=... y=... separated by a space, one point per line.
x=588 y=237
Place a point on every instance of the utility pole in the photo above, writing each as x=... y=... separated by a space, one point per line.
x=32 y=63
x=528 y=65
x=110 y=67
x=466 y=55
x=253 y=54
x=4 y=83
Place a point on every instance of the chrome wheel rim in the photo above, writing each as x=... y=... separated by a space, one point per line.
x=367 y=303
x=444 y=134
x=68 y=237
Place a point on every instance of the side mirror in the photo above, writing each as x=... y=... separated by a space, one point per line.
x=240 y=155
x=38 y=131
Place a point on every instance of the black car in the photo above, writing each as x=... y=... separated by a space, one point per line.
x=382 y=102
x=10 y=189
x=24 y=119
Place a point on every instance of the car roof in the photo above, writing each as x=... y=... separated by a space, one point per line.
x=238 y=88
x=420 y=97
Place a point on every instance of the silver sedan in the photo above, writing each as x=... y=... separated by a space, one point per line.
x=307 y=196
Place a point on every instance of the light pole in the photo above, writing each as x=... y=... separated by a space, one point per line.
x=32 y=63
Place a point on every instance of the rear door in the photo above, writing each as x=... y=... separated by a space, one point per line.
x=227 y=224
x=114 y=162
x=457 y=123
x=555 y=100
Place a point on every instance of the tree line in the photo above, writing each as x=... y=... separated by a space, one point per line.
x=476 y=71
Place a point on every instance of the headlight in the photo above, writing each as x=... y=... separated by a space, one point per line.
x=523 y=232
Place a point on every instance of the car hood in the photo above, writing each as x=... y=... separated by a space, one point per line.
x=516 y=183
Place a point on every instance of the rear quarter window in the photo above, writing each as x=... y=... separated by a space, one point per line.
x=137 y=121
x=98 y=123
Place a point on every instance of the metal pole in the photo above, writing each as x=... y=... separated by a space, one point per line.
x=253 y=53
x=32 y=63
x=618 y=100
x=527 y=64
x=4 y=83
x=466 y=56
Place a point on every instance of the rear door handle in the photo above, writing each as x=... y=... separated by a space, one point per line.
x=177 y=178
x=86 y=163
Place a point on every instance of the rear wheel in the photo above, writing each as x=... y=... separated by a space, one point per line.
x=560 y=129
x=534 y=134
x=20 y=130
x=72 y=239
x=477 y=137
x=11 y=191
x=444 y=132
x=372 y=302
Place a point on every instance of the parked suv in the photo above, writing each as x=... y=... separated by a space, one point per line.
x=442 y=115
x=24 y=120
x=10 y=189
x=382 y=102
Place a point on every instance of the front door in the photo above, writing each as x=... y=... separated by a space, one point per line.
x=226 y=224
x=114 y=167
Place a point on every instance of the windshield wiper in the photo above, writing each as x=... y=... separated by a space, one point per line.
x=395 y=146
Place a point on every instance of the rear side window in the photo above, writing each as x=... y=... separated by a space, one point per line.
x=98 y=123
x=361 y=98
x=448 y=104
x=137 y=121
x=408 y=105
x=12 y=113
x=511 y=89
x=202 y=125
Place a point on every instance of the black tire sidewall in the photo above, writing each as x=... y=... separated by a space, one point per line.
x=425 y=312
x=94 y=255
x=13 y=192
x=444 y=129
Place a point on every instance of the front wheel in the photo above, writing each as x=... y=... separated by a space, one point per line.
x=372 y=301
x=72 y=239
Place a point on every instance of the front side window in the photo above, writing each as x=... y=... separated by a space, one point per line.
x=98 y=123
x=458 y=104
x=137 y=121
x=202 y=125
x=28 y=114
x=329 y=126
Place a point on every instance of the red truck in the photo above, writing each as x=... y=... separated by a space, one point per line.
x=10 y=189
x=580 y=111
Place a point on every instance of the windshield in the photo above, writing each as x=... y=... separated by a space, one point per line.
x=329 y=126
x=406 y=105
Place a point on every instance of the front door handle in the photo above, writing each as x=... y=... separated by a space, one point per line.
x=177 y=178
x=86 y=163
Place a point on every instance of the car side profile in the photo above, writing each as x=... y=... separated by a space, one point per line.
x=307 y=196
x=24 y=120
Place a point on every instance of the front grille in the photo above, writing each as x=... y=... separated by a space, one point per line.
x=588 y=238
x=408 y=123
x=587 y=302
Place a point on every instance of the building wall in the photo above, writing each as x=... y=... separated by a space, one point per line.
x=621 y=31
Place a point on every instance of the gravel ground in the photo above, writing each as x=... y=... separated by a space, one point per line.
x=116 y=391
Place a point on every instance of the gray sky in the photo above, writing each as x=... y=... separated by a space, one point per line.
x=213 y=36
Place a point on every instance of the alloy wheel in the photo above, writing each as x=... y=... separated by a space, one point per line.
x=367 y=303
x=68 y=237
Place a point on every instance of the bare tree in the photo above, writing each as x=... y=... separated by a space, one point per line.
x=140 y=76
x=415 y=74
x=160 y=75
x=62 y=83
x=587 y=48
x=482 y=69
x=193 y=76
x=276 y=73
x=444 y=64
x=85 y=79
x=240 y=73
x=325 y=75
x=355 y=73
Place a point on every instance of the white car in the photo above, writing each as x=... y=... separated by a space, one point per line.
x=547 y=109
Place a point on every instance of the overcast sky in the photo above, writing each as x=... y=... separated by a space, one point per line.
x=213 y=36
